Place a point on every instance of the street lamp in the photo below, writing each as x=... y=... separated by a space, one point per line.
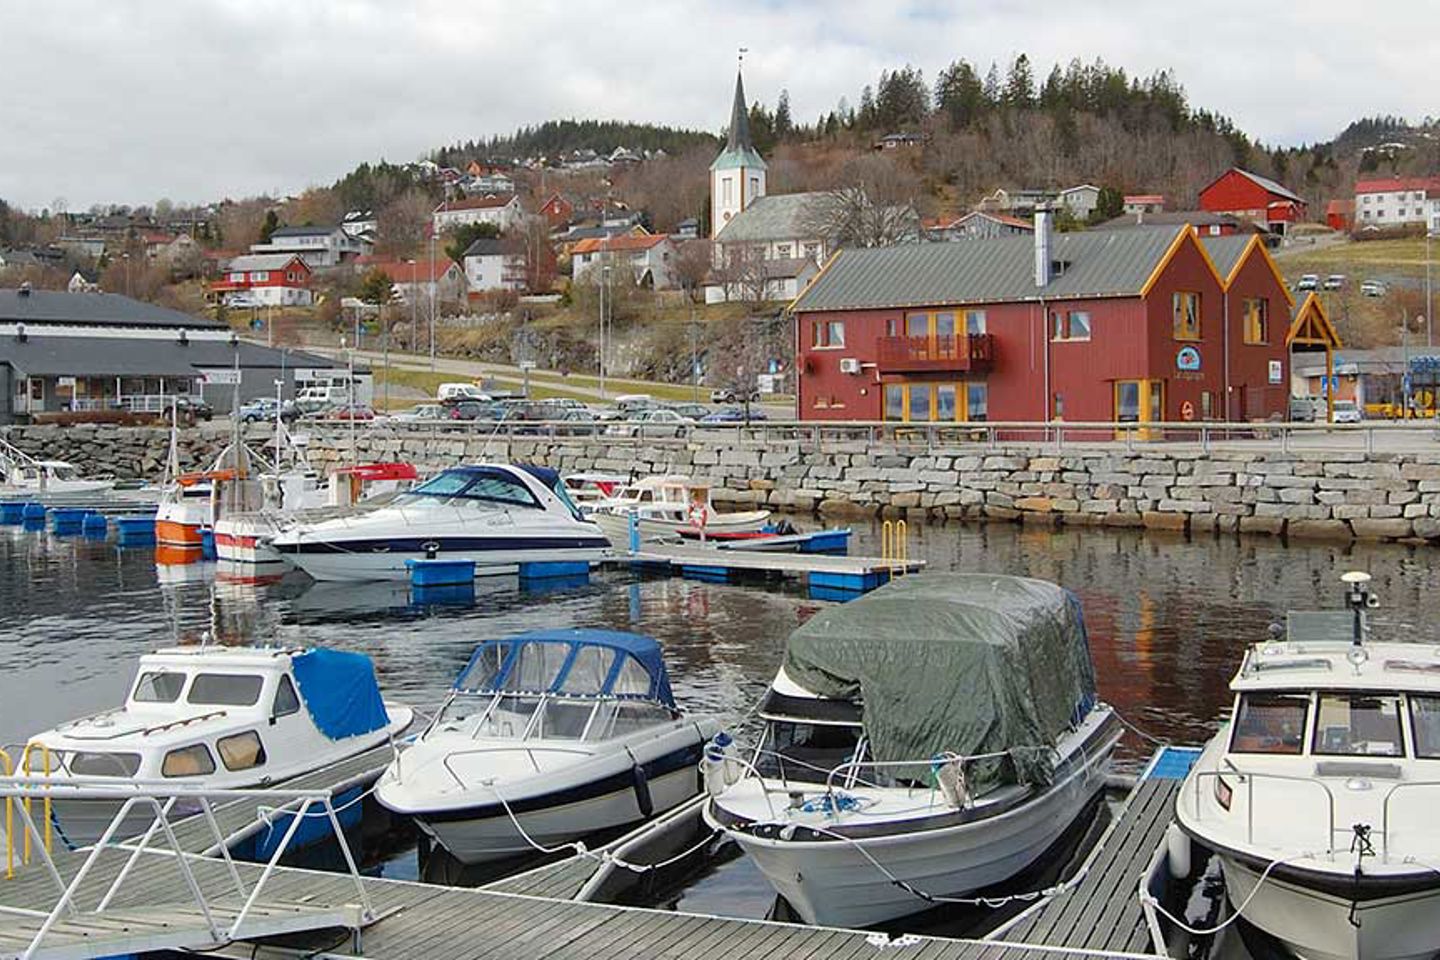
x=604 y=285
x=433 y=284
x=414 y=299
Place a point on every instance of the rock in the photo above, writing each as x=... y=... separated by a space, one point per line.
x=1033 y=504
x=1391 y=528
x=1272 y=525
x=1427 y=527
x=1155 y=520
x=1319 y=530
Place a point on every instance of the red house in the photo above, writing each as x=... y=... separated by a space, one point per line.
x=1339 y=214
x=1141 y=325
x=265 y=280
x=557 y=211
x=1253 y=197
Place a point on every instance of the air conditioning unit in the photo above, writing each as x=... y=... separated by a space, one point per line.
x=849 y=365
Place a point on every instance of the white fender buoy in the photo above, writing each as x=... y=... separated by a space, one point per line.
x=1178 y=851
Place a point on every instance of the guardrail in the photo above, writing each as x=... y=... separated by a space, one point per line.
x=973 y=435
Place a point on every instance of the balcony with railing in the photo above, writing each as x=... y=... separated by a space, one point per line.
x=973 y=352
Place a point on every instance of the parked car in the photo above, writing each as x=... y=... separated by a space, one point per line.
x=346 y=411
x=734 y=415
x=1308 y=281
x=1303 y=409
x=421 y=411
x=188 y=410
x=577 y=423
x=1372 y=288
x=634 y=402
x=471 y=410
x=1348 y=411
x=659 y=422
x=695 y=411
x=1336 y=281
x=726 y=395
x=460 y=391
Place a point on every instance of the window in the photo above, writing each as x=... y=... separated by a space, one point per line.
x=894 y=401
x=589 y=670
x=286 y=700
x=782 y=251
x=1186 y=308
x=754 y=187
x=536 y=666
x=977 y=401
x=1072 y=325
x=812 y=250
x=633 y=680
x=1270 y=723
x=244 y=751
x=1358 y=724
x=563 y=719
x=191 y=761
x=918 y=402
x=1257 y=320
x=104 y=764
x=159 y=687
x=927 y=402
x=974 y=321
x=1425 y=721
x=829 y=334
x=260 y=276
x=237 y=277
x=1205 y=405
x=225 y=690
x=634 y=717
x=807 y=752
x=727 y=191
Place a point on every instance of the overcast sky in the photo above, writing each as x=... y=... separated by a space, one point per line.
x=128 y=101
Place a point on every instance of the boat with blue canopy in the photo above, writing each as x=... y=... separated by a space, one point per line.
x=546 y=737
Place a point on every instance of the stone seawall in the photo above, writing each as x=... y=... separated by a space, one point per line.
x=1315 y=494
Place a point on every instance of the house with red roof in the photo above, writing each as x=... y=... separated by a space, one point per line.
x=557 y=211
x=1385 y=202
x=976 y=225
x=1339 y=214
x=649 y=257
x=1142 y=203
x=1255 y=198
x=503 y=210
x=443 y=279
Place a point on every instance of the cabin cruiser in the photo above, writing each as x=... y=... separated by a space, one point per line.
x=561 y=732
x=41 y=477
x=944 y=726
x=497 y=515
x=193 y=502
x=587 y=488
x=243 y=538
x=222 y=717
x=667 y=506
x=1319 y=795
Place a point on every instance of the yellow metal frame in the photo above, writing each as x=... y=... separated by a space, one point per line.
x=895 y=545
x=26 y=767
x=25 y=764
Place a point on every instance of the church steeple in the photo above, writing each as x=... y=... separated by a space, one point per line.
x=737 y=176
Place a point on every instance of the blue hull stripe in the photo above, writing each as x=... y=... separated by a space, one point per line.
x=421 y=545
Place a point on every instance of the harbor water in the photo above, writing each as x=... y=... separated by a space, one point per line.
x=1168 y=617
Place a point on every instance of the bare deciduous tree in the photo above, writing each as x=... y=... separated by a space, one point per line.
x=692 y=266
x=403 y=222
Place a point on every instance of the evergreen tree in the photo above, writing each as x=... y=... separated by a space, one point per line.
x=1020 y=84
x=271 y=224
x=991 y=90
x=784 y=126
x=959 y=94
x=865 y=118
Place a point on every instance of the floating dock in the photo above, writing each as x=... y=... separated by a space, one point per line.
x=820 y=573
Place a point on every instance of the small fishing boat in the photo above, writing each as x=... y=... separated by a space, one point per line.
x=670 y=506
x=547 y=737
x=938 y=735
x=587 y=488
x=222 y=717
x=1319 y=794
x=29 y=477
x=498 y=515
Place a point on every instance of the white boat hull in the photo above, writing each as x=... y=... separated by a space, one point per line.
x=1316 y=925
x=245 y=540
x=832 y=883
x=391 y=566
x=617 y=526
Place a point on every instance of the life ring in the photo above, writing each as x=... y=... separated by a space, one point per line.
x=698 y=514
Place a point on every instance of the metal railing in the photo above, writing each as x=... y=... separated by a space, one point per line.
x=895 y=545
x=973 y=351
x=160 y=799
x=1248 y=779
x=26 y=768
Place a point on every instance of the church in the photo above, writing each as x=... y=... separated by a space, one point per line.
x=764 y=247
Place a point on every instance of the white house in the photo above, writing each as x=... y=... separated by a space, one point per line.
x=443 y=279
x=977 y=225
x=489 y=267
x=1397 y=202
x=1142 y=203
x=1080 y=201
x=318 y=246
x=650 y=258
x=503 y=211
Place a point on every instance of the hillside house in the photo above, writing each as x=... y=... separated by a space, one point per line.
x=650 y=259
x=265 y=280
x=1255 y=198
x=1141 y=203
x=1079 y=201
x=503 y=210
x=489 y=265
x=1397 y=202
x=420 y=279
x=320 y=246
x=977 y=225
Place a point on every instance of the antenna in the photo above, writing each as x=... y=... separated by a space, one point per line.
x=1359 y=599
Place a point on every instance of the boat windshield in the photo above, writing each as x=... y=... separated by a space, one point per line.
x=518 y=716
x=1358 y=724
x=563 y=495
x=475 y=486
x=1270 y=723
x=807 y=752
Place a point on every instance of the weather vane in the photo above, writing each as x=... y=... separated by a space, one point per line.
x=743 y=51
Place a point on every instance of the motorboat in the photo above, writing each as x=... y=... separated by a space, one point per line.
x=194 y=502
x=498 y=515
x=587 y=488
x=221 y=717
x=936 y=736
x=48 y=477
x=243 y=538
x=547 y=737
x=668 y=506
x=1318 y=794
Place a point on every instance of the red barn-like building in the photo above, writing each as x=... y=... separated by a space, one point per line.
x=1253 y=197
x=1142 y=325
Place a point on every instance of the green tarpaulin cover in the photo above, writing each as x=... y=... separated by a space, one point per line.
x=954 y=662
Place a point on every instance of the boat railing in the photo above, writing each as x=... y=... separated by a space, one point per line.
x=1248 y=778
x=853 y=767
x=182 y=722
x=1410 y=785
x=159 y=798
x=529 y=752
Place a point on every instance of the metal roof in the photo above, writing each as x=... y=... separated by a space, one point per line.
x=313 y=230
x=1112 y=263
x=1225 y=251
x=141 y=356
x=781 y=216
x=262 y=261
x=739 y=150
x=92 y=309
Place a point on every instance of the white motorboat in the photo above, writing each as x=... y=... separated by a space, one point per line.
x=1319 y=794
x=937 y=735
x=670 y=506
x=191 y=503
x=299 y=493
x=48 y=477
x=588 y=488
x=498 y=515
x=556 y=733
x=221 y=717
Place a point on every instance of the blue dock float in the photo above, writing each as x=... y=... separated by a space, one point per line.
x=95 y=526
x=554 y=569
x=33 y=516
x=12 y=511
x=67 y=520
x=828 y=577
x=440 y=573
x=443 y=595
x=134 y=531
x=830 y=542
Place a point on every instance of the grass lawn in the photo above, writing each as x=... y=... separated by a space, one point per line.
x=1358 y=259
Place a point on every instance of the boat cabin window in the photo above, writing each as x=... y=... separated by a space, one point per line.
x=159 y=687
x=484 y=668
x=104 y=764
x=508 y=716
x=634 y=680
x=1270 y=723
x=1425 y=721
x=633 y=716
x=286 y=700
x=536 y=666
x=589 y=671
x=808 y=751
x=480 y=486
x=191 y=761
x=244 y=751
x=1358 y=724
x=562 y=720
x=226 y=690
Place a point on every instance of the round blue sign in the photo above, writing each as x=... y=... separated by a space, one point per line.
x=1187 y=359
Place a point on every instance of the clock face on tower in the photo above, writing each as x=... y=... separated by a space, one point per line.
x=727 y=214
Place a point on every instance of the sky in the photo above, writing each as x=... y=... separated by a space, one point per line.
x=129 y=101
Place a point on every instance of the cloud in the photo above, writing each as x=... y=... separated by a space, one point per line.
x=132 y=100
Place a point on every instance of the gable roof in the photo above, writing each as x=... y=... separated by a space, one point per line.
x=1395 y=184
x=1174 y=218
x=1310 y=325
x=311 y=231
x=488 y=201
x=485 y=247
x=1264 y=183
x=60 y=307
x=1113 y=263
x=620 y=243
x=1002 y=218
x=264 y=261
x=421 y=271
x=780 y=216
x=1227 y=252
x=784 y=268
x=141 y=356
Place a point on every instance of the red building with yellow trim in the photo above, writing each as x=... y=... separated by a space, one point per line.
x=1141 y=325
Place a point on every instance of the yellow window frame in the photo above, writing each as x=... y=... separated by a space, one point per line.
x=1185 y=315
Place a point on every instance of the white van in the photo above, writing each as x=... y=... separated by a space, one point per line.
x=331 y=393
x=634 y=402
x=460 y=391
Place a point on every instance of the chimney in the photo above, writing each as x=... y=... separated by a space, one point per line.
x=1042 y=247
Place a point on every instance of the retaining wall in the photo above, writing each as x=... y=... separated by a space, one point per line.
x=1312 y=494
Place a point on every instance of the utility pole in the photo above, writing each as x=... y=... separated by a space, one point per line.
x=433 y=285
x=694 y=356
x=604 y=282
x=414 y=300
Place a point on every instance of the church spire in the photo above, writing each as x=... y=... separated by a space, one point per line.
x=739 y=139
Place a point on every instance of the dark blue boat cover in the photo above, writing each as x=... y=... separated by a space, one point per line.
x=340 y=692
x=549 y=661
